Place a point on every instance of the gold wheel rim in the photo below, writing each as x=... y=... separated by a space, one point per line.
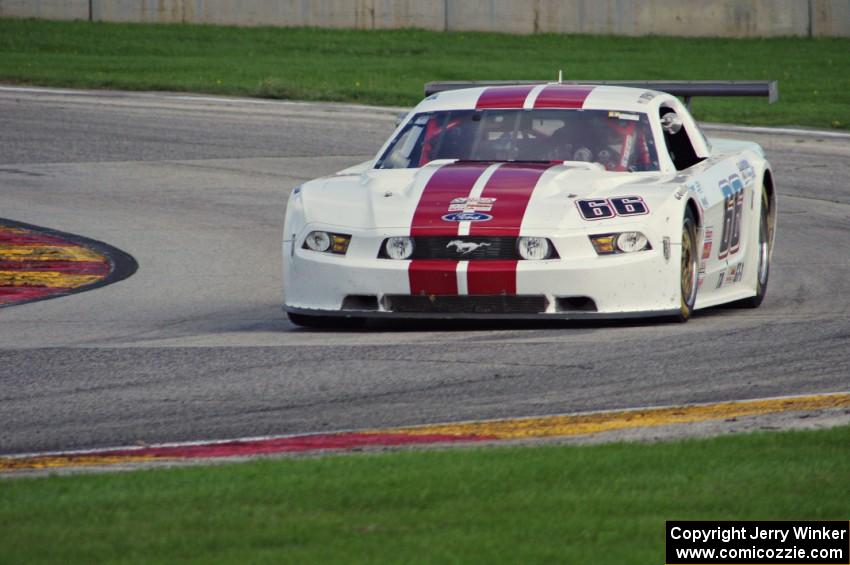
x=687 y=270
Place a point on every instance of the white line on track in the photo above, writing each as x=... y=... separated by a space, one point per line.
x=197 y=98
x=802 y=132
x=776 y=130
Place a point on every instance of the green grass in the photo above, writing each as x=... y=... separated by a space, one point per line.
x=390 y=67
x=595 y=504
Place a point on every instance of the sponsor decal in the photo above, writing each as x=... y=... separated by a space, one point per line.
x=739 y=272
x=624 y=116
x=628 y=147
x=731 y=275
x=467 y=217
x=748 y=173
x=697 y=189
x=708 y=239
x=471 y=204
x=466 y=247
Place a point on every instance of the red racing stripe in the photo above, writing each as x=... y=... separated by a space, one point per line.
x=432 y=277
x=562 y=96
x=503 y=97
x=448 y=182
x=491 y=277
x=512 y=186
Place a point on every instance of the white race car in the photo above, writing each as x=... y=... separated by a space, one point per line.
x=537 y=200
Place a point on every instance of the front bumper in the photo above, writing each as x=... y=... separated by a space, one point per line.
x=377 y=314
x=578 y=285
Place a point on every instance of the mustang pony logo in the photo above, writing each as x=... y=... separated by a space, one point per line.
x=465 y=247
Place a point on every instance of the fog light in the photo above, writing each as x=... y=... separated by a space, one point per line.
x=339 y=243
x=603 y=244
x=399 y=247
x=631 y=241
x=534 y=248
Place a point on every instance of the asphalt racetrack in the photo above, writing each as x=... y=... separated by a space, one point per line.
x=195 y=346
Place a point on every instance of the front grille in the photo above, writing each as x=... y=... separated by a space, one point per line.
x=438 y=247
x=472 y=304
x=466 y=248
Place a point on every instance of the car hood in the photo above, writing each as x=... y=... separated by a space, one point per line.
x=389 y=198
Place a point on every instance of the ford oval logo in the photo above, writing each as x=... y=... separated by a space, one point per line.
x=467 y=217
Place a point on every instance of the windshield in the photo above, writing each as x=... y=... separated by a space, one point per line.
x=619 y=141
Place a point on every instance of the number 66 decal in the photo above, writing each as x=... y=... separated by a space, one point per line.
x=733 y=208
x=604 y=208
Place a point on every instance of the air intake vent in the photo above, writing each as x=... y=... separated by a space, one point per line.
x=473 y=304
x=575 y=304
x=360 y=302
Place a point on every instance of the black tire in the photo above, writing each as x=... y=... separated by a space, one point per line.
x=325 y=322
x=763 y=265
x=689 y=268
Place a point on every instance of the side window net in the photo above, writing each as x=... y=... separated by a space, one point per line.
x=679 y=145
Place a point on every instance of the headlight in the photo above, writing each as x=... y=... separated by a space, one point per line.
x=631 y=241
x=534 y=248
x=323 y=241
x=318 y=241
x=626 y=242
x=398 y=248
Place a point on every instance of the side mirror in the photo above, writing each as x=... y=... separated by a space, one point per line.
x=400 y=118
x=671 y=123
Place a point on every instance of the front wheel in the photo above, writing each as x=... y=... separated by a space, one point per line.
x=689 y=269
x=765 y=239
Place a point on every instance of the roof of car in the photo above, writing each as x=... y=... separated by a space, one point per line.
x=551 y=95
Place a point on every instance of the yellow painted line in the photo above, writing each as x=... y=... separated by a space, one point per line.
x=48 y=253
x=582 y=424
x=50 y=279
x=59 y=461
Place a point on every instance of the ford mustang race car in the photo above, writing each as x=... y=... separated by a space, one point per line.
x=537 y=200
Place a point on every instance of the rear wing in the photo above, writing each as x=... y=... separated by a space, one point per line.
x=684 y=88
